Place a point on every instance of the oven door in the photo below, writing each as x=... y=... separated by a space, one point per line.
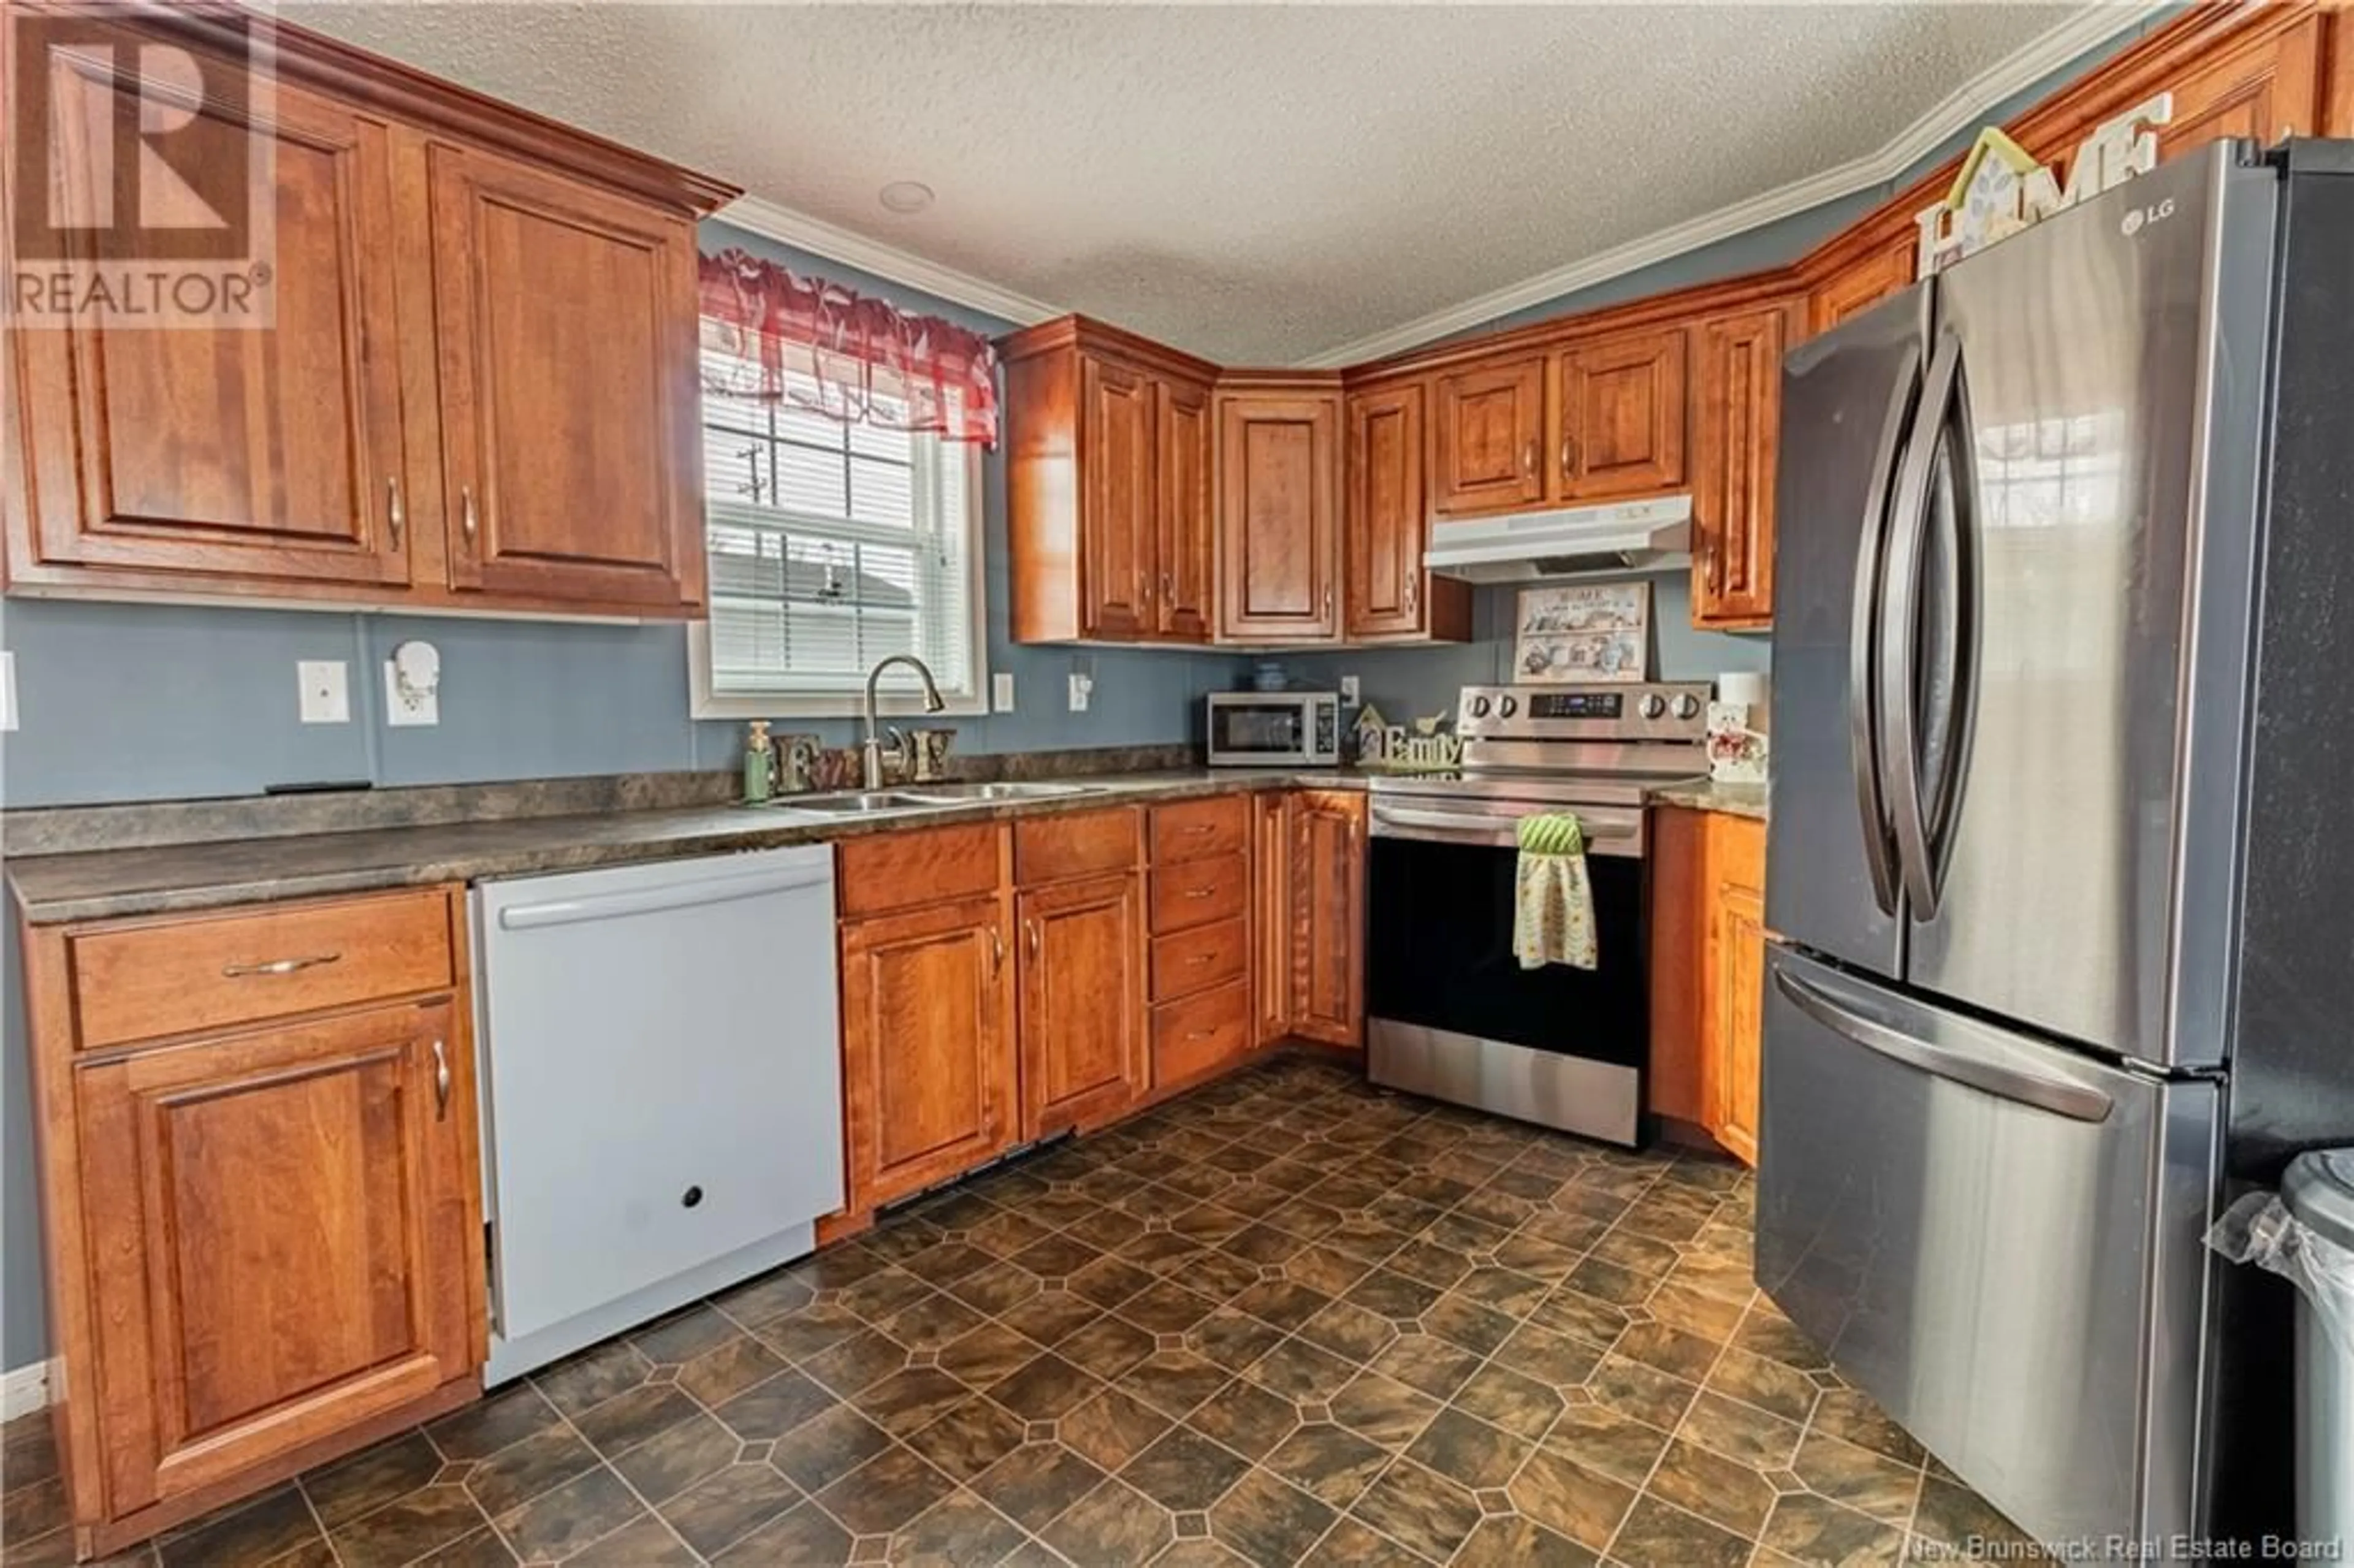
x=1450 y=1012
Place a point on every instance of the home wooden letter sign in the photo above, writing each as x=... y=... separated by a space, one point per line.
x=2001 y=189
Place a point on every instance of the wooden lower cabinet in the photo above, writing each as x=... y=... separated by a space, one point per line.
x=1271 y=917
x=930 y=1078
x=1328 y=915
x=1708 y=972
x=264 y=1241
x=1082 y=1009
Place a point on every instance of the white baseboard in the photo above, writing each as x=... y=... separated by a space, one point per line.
x=23 y=1390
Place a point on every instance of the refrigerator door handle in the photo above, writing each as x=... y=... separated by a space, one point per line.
x=2058 y=1096
x=1863 y=640
x=1900 y=629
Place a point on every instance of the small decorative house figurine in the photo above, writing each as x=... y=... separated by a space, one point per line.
x=1372 y=736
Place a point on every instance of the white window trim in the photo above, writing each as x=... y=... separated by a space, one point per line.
x=705 y=704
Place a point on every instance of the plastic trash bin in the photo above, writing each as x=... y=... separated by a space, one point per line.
x=2307 y=1233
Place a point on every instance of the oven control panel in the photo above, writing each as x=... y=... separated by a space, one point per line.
x=1669 y=711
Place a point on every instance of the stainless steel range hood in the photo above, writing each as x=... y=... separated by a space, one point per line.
x=1575 y=541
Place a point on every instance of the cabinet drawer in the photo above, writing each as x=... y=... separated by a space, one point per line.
x=1196 y=829
x=1192 y=1036
x=1048 y=849
x=140 y=981
x=1198 y=892
x=923 y=865
x=1197 y=960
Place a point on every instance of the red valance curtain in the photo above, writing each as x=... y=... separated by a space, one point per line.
x=849 y=358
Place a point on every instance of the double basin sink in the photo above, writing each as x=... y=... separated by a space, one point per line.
x=923 y=798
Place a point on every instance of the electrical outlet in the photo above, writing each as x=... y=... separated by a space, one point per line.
x=405 y=704
x=1000 y=692
x=1082 y=686
x=7 y=690
x=325 y=690
x=1349 y=689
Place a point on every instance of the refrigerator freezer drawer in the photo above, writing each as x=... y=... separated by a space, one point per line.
x=1997 y=1239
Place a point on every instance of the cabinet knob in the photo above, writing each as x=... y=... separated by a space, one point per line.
x=466 y=515
x=394 y=515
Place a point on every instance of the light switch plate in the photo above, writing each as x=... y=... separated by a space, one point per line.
x=7 y=690
x=1000 y=692
x=1349 y=689
x=326 y=691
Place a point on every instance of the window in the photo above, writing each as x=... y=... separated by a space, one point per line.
x=830 y=545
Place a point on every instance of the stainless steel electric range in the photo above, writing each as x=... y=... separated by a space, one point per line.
x=1451 y=1013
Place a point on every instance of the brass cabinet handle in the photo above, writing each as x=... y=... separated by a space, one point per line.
x=277 y=966
x=1168 y=587
x=1529 y=458
x=1035 y=938
x=1198 y=959
x=1568 y=456
x=472 y=524
x=1327 y=601
x=1200 y=892
x=996 y=951
x=440 y=1083
x=1413 y=591
x=394 y=515
x=1198 y=828
x=1197 y=1033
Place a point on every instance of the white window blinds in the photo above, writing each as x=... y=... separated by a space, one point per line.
x=832 y=546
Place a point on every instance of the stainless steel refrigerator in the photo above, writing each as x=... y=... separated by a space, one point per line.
x=2059 y=873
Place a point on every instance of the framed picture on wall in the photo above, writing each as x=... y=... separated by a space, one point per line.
x=1584 y=632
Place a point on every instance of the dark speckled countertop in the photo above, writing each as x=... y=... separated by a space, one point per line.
x=162 y=878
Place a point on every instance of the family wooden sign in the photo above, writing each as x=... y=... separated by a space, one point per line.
x=2001 y=188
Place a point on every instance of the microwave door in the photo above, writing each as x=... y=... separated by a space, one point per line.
x=1270 y=730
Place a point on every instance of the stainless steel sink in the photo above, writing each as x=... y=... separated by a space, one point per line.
x=854 y=804
x=956 y=794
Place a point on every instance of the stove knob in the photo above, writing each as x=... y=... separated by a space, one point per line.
x=1687 y=706
x=1654 y=705
x=1509 y=707
x=1479 y=707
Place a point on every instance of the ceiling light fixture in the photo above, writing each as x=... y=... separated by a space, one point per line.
x=905 y=195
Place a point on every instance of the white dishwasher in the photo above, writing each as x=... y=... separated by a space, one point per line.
x=661 y=1087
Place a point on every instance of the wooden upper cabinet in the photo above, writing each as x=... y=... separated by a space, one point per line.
x=1117 y=512
x=1737 y=414
x=1082 y=1030
x=565 y=322
x=1388 y=515
x=1863 y=280
x=2265 y=88
x=1490 y=426
x=1186 y=540
x=300 y=1201
x=928 y=1047
x=1279 y=515
x=269 y=453
x=1328 y=915
x=1620 y=416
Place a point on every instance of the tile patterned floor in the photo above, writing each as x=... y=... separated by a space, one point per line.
x=1286 y=1320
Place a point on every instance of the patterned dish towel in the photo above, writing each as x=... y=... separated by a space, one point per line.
x=1553 y=913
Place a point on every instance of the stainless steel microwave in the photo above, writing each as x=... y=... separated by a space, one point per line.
x=1274 y=729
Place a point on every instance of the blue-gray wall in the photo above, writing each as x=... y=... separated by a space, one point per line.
x=122 y=702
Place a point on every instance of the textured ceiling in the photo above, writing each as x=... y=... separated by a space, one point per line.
x=1257 y=184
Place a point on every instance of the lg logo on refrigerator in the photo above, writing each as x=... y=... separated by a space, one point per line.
x=2138 y=218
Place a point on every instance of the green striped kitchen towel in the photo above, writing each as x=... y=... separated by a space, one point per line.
x=1553 y=913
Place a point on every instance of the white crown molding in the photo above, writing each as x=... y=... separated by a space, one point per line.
x=24 y=1390
x=1959 y=111
x=835 y=243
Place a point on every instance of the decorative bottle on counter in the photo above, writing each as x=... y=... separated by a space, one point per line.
x=758 y=762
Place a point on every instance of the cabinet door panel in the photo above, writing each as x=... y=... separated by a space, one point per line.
x=1186 y=541
x=1117 y=512
x=1737 y=971
x=1278 y=464
x=1866 y=280
x=2264 y=90
x=1622 y=414
x=1732 y=503
x=1388 y=521
x=1271 y=916
x=565 y=322
x=1328 y=895
x=1081 y=1002
x=265 y=452
x=303 y=1201
x=1489 y=425
x=928 y=1047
